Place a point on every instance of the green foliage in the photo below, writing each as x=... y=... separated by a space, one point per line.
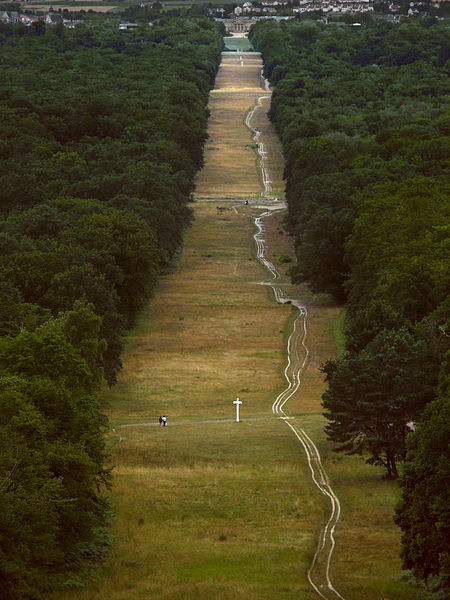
x=372 y=395
x=402 y=274
x=101 y=136
x=51 y=456
x=99 y=156
x=361 y=113
x=353 y=108
x=423 y=513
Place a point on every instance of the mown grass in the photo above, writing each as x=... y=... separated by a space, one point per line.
x=240 y=44
x=274 y=160
x=229 y=169
x=211 y=509
x=338 y=332
x=207 y=508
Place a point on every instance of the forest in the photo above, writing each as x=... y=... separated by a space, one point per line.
x=363 y=119
x=101 y=135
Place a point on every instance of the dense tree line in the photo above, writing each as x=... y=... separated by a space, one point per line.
x=101 y=134
x=364 y=126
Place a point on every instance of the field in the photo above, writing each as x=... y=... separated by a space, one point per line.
x=90 y=7
x=208 y=508
x=230 y=157
x=240 y=44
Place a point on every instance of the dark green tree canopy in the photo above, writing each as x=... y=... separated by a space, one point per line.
x=424 y=511
x=362 y=117
x=101 y=135
x=372 y=396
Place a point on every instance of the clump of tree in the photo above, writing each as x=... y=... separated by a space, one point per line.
x=101 y=135
x=375 y=393
x=364 y=128
x=424 y=511
x=52 y=476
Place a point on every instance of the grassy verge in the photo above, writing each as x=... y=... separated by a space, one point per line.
x=274 y=161
x=239 y=44
x=229 y=169
x=338 y=332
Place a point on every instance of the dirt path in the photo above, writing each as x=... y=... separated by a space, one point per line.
x=229 y=170
x=297 y=351
x=225 y=510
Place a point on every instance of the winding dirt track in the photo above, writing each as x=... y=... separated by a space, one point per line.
x=297 y=350
x=262 y=152
x=297 y=360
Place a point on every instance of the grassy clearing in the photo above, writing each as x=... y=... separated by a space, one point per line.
x=222 y=510
x=240 y=44
x=229 y=169
x=273 y=147
x=209 y=509
x=196 y=335
x=338 y=332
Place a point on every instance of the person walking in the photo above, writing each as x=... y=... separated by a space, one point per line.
x=160 y=421
x=164 y=420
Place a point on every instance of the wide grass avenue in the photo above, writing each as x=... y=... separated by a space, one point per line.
x=207 y=508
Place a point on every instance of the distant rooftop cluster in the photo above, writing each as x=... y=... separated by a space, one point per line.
x=51 y=18
x=270 y=8
x=334 y=6
x=273 y=7
x=266 y=7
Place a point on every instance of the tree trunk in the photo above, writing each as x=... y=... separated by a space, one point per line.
x=391 y=466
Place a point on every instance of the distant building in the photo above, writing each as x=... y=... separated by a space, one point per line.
x=72 y=24
x=9 y=16
x=53 y=19
x=238 y=24
x=269 y=8
x=28 y=19
x=334 y=6
x=128 y=26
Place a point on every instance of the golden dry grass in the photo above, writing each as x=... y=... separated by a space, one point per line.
x=272 y=143
x=230 y=159
x=233 y=76
x=207 y=508
x=229 y=169
x=208 y=324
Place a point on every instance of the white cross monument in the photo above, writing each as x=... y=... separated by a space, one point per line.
x=238 y=403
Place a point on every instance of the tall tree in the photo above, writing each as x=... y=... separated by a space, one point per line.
x=373 y=395
x=424 y=511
